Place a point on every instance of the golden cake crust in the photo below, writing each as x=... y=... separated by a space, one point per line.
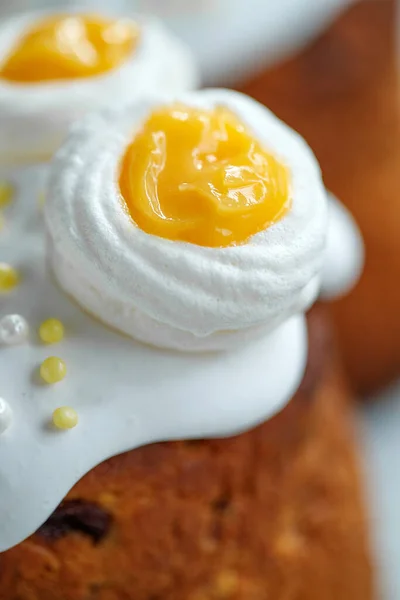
x=272 y=513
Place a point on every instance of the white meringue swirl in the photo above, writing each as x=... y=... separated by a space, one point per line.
x=35 y=117
x=173 y=294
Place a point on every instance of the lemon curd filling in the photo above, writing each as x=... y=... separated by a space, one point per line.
x=70 y=47
x=200 y=176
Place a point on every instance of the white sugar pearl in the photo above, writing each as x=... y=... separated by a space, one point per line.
x=13 y=330
x=5 y=415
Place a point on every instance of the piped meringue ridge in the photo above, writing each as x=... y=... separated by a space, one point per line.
x=175 y=294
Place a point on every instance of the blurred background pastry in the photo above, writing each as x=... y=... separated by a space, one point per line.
x=55 y=67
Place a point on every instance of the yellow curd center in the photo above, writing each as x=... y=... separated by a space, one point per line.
x=70 y=47
x=200 y=176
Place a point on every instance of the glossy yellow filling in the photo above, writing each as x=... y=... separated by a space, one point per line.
x=70 y=47
x=200 y=176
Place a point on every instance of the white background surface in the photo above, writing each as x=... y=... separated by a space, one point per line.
x=380 y=428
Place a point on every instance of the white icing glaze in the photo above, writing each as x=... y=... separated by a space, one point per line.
x=126 y=394
x=34 y=118
x=173 y=294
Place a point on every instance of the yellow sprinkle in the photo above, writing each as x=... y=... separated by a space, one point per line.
x=6 y=193
x=53 y=369
x=41 y=200
x=9 y=277
x=65 y=417
x=51 y=331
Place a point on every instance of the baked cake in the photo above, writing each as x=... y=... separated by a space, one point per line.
x=160 y=438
